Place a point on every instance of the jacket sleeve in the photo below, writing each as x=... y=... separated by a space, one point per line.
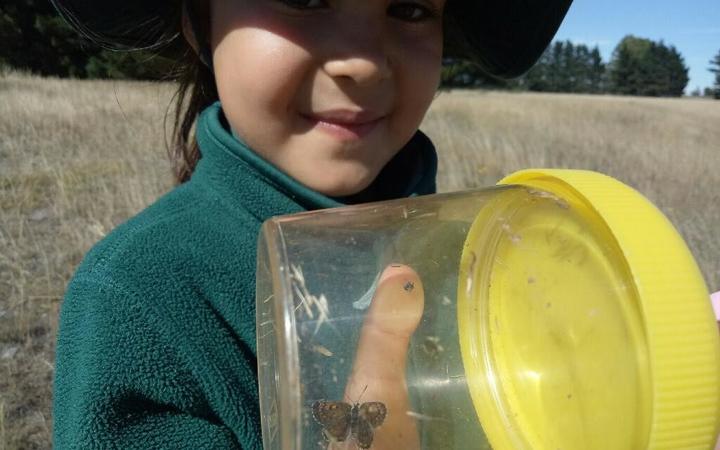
x=121 y=383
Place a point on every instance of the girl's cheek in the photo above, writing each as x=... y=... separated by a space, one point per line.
x=420 y=65
x=420 y=52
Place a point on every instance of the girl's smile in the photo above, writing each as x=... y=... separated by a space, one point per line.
x=345 y=125
x=328 y=91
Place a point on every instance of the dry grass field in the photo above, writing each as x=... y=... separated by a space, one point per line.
x=79 y=157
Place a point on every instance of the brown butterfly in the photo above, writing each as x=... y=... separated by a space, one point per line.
x=340 y=418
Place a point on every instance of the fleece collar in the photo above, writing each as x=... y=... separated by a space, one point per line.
x=242 y=179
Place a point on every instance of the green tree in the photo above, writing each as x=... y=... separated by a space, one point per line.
x=597 y=72
x=715 y=68
x=460 y=73
x=644 y=67
x=556 y=75
x=538 y=78
x=35 y=38
x=678 y=72
x=565 y=67
x=623 y=73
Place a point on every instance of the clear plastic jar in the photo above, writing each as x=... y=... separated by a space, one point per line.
x=540 y=314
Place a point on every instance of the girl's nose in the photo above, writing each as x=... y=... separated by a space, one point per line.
x=362 y=69
x=361 y=58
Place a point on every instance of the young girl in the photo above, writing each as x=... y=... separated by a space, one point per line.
x=296 y=105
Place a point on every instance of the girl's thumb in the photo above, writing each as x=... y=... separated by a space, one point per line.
x=379 y=369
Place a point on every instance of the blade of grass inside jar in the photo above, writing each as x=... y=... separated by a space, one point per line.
x=364 y=301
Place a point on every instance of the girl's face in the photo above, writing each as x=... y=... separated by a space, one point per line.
x=327 y=90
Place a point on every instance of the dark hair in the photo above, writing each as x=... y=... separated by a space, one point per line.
x=196 y=91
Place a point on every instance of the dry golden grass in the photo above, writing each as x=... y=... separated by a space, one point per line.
x=668 y=149
x=78 y=157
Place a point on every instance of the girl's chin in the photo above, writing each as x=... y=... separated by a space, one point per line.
x=343 y=190
x=339 y=185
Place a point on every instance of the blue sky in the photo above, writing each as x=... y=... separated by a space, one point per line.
x=692 y=26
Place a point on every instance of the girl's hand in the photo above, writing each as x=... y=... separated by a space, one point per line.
x=379 y=369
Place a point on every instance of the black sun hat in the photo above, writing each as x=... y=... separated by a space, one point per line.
x=504 y=37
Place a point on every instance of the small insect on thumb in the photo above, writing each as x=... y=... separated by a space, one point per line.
x=398 y=303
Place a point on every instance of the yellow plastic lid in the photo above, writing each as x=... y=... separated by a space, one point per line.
x=584 y=320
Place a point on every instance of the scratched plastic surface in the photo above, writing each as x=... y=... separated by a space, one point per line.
x=324 y=266
x=316 y=277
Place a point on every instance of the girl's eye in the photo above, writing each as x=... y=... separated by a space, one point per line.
x=411 y=12
x=304 y=4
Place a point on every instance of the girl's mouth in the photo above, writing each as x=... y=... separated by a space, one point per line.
x=344 y=125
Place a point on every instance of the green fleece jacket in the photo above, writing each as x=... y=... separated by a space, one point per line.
x=156 y=346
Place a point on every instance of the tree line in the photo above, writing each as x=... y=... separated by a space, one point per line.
x=37 y=40
x=714 y=68
x=638 y=66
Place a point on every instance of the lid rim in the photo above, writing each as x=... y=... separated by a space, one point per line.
x=668 y=311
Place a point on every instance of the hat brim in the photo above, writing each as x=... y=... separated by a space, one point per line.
x=504 y=37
